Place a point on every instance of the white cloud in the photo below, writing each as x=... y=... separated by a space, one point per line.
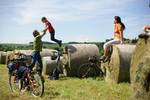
x=66 y=10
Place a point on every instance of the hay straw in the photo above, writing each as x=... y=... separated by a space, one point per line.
x=140 y=69
x=77 y=54
x=49 y=65
x=2 y=57
x=44 y=53
x=117 y=70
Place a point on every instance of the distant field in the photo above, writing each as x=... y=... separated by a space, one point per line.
x=10 y=47
x=69 y=89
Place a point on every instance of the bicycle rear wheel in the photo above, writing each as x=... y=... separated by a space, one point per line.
x=14 y=83
x=37 y=84
x=87 y=70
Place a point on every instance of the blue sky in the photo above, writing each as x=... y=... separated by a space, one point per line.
x=73 y=20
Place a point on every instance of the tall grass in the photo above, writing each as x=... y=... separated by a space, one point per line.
x=69 y=89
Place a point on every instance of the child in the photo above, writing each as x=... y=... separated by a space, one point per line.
x=37 y=46
x=51 y=30
x=119 y=27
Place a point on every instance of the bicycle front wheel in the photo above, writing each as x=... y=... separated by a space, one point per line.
x=87 y=70
x=14 y=83
x=37 y=85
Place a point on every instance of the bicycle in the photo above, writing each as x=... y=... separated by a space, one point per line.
x=91 y=68
x=32 y=82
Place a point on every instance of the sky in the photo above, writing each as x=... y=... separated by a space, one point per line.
x=73 y=20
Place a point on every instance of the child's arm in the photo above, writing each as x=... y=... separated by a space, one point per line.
x=43 y=33
x=44 y=30
x=46 y=27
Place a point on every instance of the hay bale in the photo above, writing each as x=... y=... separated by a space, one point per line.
x=47 y=52
x=2 y=57
x=9 y=56
x=44 y=53
x=49 y=65
x=77 y=54
x=140 y=69
x=26 y=52
x=117 y=70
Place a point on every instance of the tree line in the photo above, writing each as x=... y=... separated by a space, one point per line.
x=48 y=45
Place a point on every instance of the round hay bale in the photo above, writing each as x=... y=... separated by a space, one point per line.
x=26 y=52
x=140 y=69
x=3 y=57
x=9 y=56
x=49 y=65
x=44 y=53
x=117 y=69
x=77 y=54
x=47 y=52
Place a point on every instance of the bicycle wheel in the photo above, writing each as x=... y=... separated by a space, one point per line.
x=87 y=70
x=14 y=83
x=37 y=85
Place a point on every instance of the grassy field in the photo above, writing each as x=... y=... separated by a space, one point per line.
x=69 y=89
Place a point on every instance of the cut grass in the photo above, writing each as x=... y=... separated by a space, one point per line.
x=69 y=89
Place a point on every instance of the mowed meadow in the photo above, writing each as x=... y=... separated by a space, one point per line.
x=69 y=88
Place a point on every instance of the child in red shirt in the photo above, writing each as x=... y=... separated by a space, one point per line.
x=51 y=30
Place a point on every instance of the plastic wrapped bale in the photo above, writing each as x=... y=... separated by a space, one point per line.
x=49 y=65
x=3 y=57
x=117 y=69
x=140 y=68
x=77 y=54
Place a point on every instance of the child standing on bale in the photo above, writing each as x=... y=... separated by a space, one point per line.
x=51 y=30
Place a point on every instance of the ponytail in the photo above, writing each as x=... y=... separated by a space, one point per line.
x=123 y=26
x=118 y=19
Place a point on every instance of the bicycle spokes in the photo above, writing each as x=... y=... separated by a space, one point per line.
x=37 y=86
x=14 y=83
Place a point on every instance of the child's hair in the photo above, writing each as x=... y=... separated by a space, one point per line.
x=118 y=19
x=43 y=19
x=35 y=33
